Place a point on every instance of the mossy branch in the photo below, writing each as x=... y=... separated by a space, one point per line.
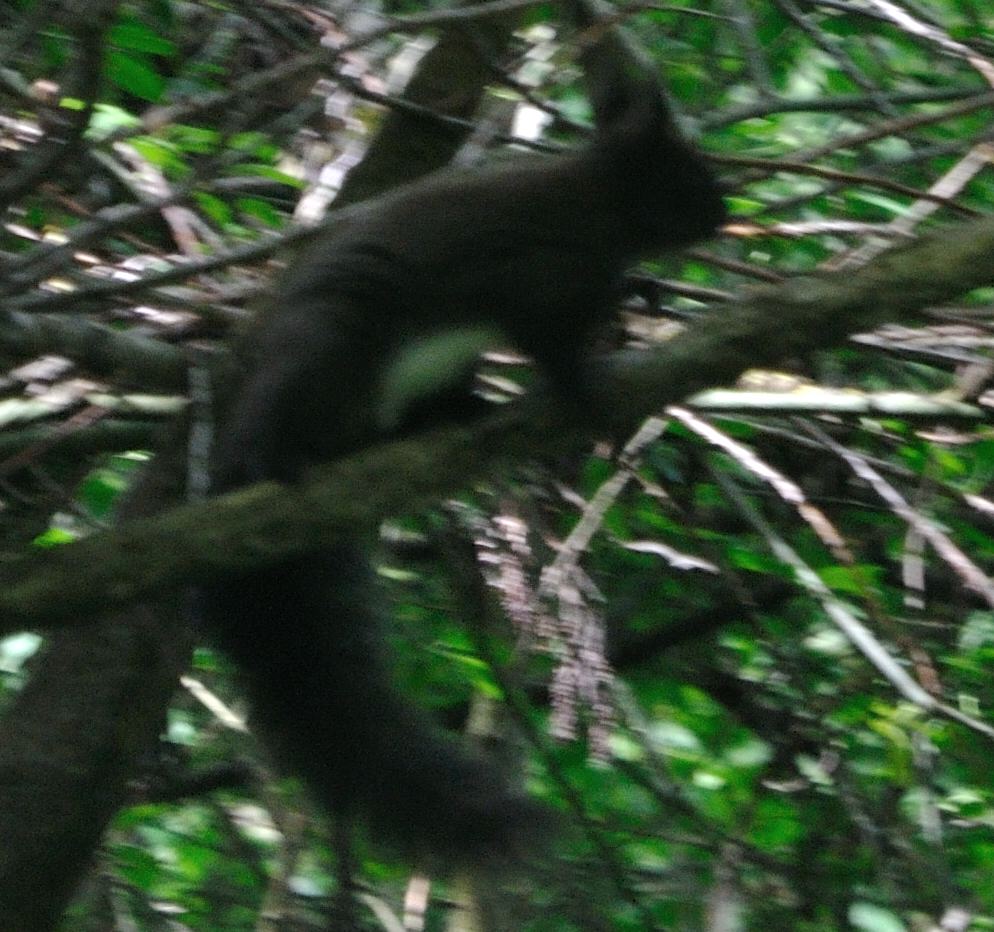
x=268 y=522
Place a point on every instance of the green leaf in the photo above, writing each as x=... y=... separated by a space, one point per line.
x=161 y=154
x=100 y=490
x=196 y=139
x=870 y=918
x=852 y=580
x=257 y=170
x=134 y=76
x=261 y=210
x=108 y=119
x=136 y=866
x=214 y=207
x=140 y=38
x=776 y=825
x=254 y=143
x=53 y=537
x=889 y=204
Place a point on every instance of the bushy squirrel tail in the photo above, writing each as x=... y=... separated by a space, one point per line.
x=306 y=636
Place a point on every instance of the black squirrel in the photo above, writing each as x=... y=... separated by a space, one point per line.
x=533 y=249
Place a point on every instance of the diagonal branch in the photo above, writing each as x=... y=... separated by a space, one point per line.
x=268 y=522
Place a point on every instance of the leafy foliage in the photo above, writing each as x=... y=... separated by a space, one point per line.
x=745 y=760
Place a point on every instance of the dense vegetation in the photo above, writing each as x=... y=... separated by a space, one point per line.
x=746 y=651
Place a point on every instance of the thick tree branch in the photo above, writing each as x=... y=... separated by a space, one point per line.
x=268 y=522
x=100 y=349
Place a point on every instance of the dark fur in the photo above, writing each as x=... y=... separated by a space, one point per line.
x=537 y=248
